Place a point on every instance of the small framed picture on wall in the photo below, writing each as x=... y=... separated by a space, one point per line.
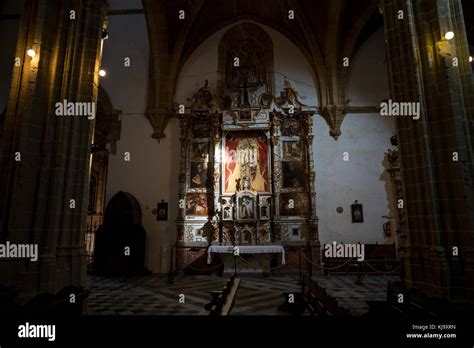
x=162 y=211
x=357 y=213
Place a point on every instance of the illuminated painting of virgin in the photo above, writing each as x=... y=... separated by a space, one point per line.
x=246 y=158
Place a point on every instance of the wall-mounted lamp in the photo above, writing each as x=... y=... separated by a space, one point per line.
x=443 y=45
x=449 y=35
x=31 y=53
x=470 y=59
x=102 y=72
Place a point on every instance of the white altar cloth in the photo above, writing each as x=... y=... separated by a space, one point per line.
x=246 y=249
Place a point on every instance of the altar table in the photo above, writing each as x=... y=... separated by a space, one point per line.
x=257 y=255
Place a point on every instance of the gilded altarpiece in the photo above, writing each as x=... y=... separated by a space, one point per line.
x=247 y=173
x=252 y=177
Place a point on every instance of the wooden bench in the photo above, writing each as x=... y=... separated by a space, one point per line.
x=318 y=302
x=314 y=299
x=414 y=299
x=45 y=305
x=382 y=257
x=222 y=301
x=59 y=305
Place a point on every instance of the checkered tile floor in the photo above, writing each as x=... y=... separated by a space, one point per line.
x=257 y=295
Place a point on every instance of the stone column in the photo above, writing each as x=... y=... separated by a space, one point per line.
x=36 y=192
x=435 y=72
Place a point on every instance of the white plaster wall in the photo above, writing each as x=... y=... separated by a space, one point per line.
x=151 y=175
x=201 y=66
x=366 y=137
x=290 y=62
x=368 y=75
x=339 y=183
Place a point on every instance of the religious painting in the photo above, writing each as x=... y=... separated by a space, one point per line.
x=293 y=174
x=246 y=159
x=294 y=232
x=227 y=213
x=291 y=126
x=162 y=211
x=294 y=204
x=245 y=207
x=200 y=151
x=292 y=151
x=357 y=214
x=196 y=204
x=198 y=174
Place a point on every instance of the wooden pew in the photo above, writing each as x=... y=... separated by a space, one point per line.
x=318 y=302
x=222 y=301
x=414 y=301
x=44 y=305
x=314 y=299
x=59 y=305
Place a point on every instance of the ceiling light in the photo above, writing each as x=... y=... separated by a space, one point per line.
x=470 y=59
x=102 y=72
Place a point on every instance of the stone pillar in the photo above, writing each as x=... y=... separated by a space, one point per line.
x=435 y=72
x=36 y=192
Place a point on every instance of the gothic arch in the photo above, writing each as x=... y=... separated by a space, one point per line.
x=124 y=209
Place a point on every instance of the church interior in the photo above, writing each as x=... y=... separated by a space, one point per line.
x=267 y=157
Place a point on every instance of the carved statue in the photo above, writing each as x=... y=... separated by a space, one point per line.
x=245 y=213
x=209 y=231
x=289 y=96
x=237 y=184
